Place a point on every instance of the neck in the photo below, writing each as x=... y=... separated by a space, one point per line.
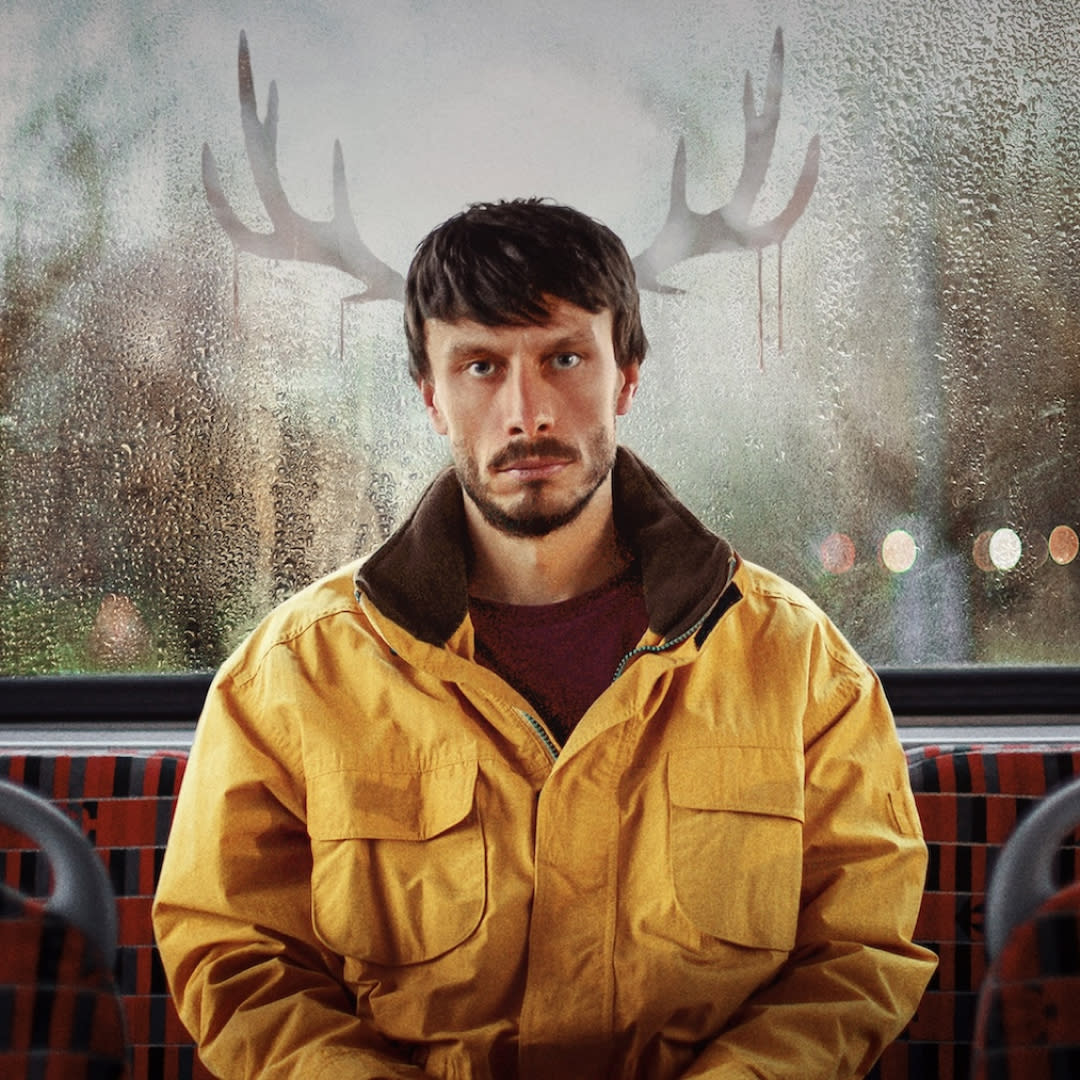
x=545 y=569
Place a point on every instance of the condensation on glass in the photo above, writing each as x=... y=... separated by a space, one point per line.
x=883 y=408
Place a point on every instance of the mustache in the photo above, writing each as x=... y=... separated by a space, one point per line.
x=547 y=447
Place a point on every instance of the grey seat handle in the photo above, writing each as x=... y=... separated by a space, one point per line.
x=1023 y=878
x=81 y=892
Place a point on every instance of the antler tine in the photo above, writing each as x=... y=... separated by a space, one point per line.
x=334 y=243
x=675 y=237
x=760 y=138
x=383 y=282
x=260 y=142
x=685 y=233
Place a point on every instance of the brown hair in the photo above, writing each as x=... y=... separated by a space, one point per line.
x=496 y=263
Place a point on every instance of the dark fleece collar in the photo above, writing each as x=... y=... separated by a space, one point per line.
x=419 y=577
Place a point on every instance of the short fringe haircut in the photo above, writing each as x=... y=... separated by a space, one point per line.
x=500 y=264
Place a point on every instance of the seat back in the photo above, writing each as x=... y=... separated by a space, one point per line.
x=970 y=800
x=1028 y=1021
x=123 y=802
x=60 y=1012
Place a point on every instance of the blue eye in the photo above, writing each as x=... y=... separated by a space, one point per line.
x=481 y=368
x=565 y=361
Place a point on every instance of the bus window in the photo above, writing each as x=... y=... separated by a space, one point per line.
x=870 y=382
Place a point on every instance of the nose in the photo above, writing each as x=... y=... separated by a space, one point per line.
x=528 y=402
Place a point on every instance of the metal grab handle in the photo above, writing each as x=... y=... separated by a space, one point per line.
x=82 y=892
x=1023 y=879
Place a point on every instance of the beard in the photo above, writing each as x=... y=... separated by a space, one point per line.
x=531 y=516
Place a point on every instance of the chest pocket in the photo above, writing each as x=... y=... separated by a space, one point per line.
x=399 y=868
x=735 y=842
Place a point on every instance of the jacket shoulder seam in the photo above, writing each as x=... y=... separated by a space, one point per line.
x=248 y=666
x=793 y=598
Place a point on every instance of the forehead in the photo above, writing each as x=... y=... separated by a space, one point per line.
x=566 y=326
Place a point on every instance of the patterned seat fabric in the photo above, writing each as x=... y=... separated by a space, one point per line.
x=124 y=804
x=970 y=800
x=60 y=1015
x=1028 y=1021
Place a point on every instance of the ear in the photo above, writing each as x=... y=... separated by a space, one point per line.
x=431 y=404
x=631 y=375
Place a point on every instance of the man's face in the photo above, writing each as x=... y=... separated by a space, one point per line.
x=530 y=412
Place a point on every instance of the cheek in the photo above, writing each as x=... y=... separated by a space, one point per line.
x=455 y=415
x=464 y=422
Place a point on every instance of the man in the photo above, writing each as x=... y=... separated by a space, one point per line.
x=553 y=784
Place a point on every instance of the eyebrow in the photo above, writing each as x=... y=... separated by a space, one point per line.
x=464 y=349
x=575 y=341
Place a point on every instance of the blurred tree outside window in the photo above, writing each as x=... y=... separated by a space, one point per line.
x=885 y=408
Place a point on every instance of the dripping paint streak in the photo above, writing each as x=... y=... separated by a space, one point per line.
x=236 y=290
x=780 y=296
x=760 y=316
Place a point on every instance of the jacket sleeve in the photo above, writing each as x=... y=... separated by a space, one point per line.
x=854 y=978
x=251 y=981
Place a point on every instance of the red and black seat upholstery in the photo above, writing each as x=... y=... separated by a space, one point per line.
x=123 y=803
x=970 y=800
x=1028 y=1022
x=60 y=1012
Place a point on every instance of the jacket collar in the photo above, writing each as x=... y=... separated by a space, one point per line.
x=419 y=577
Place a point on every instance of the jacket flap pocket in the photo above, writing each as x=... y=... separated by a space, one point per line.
x=735 y=833
x=747 y=779
x=354 y=804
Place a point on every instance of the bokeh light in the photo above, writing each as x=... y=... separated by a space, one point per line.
x=1005 y=549
x=898 y=551
x=1064 y=545
x=980 y=552
x=838 y=553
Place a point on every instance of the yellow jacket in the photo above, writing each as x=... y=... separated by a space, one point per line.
x=381 y=863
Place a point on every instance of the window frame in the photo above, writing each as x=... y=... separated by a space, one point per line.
x=996 y=694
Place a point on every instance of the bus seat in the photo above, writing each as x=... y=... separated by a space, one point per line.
x=60 y=1010
x=1028 y=1020
x=124 y=803
x=970 y=800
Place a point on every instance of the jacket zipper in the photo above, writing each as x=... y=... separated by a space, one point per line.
x=538 y=730
x=662 y=647
x=665 y=645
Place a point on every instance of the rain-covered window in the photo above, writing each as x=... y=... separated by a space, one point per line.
x=870 y=381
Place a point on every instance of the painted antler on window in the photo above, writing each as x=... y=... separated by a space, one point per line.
x=334 y=243
x=686 y=233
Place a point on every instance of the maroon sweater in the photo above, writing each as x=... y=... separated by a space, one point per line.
x=560 y=657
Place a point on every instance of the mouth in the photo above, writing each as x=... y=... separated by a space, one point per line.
x=534 y=468
x=533 y=462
